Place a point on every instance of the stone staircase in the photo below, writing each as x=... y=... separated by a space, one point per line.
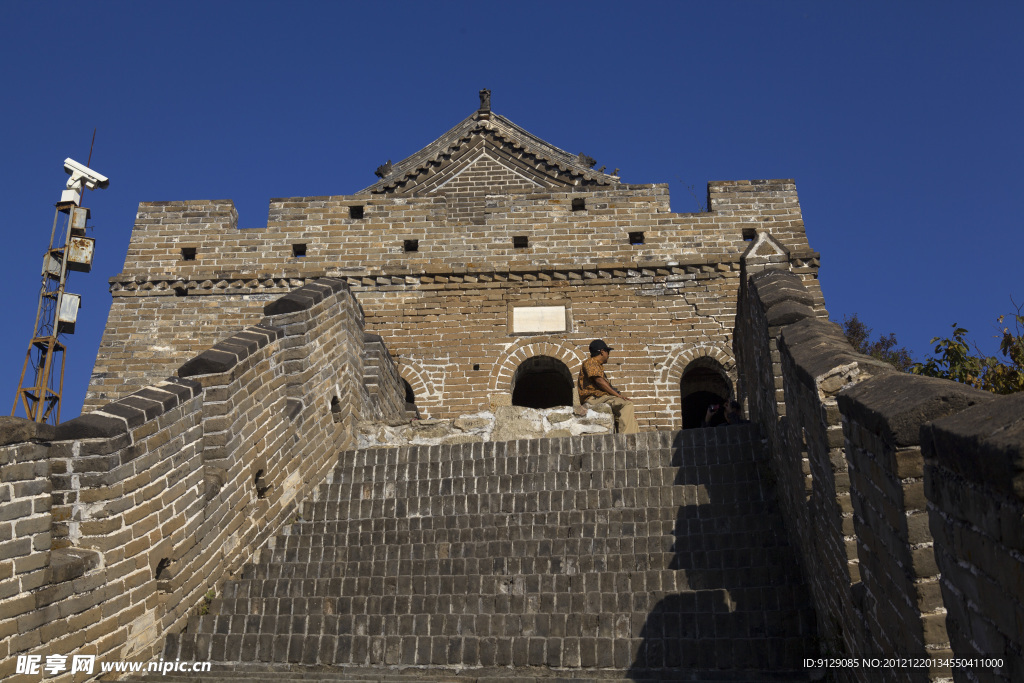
x=658 y=556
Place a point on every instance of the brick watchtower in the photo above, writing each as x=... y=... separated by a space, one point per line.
x=487 y=261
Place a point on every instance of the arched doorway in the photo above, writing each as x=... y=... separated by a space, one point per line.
x=542 y=382
x=704 y=383
x=410 y=399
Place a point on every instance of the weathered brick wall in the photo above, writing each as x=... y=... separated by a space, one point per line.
x=445 y=309
x=149 y=334
x=385 y=393
x=25 y=536
x=973 y=465
x=817 y=363
x=792 y=365
x=454 y=343
x=559 y=236
x=901 y=604
x=845 y=434
x=160 y=495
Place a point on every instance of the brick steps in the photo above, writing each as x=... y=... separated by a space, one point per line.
x=285 y=673
x=758 y=566
x=304 y=544
x=457 y=557
x=499 y=615
x=505 y=651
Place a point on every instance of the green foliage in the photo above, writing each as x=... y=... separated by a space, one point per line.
x=204 y=604
x=955 y=361
x=885 y=348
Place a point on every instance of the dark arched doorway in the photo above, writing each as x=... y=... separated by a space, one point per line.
x=410 y=399
x=542 y=382
x=704 y=383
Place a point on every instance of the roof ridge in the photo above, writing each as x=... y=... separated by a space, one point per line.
x=502 y=129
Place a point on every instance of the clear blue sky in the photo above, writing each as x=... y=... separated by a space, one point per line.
x=901 y=123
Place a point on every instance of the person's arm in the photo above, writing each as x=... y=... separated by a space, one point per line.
x=603 y=385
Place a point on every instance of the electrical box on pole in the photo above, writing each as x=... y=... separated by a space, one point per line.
x=42 y=375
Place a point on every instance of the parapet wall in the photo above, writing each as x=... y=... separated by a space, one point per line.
x=120 y=521
x=367 y=233
x=901 y=492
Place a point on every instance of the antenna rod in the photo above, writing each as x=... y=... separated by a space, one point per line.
x=91 y=144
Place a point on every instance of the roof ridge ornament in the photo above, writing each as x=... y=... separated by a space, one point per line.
x=485 y=104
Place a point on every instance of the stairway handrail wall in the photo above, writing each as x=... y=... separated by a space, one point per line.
x=122 y=520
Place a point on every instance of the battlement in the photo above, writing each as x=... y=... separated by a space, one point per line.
x=371 y=233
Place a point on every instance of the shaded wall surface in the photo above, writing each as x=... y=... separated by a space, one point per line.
x=901 y=492
x=118 y=522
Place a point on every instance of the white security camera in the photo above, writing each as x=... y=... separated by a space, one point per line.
x=81 y=174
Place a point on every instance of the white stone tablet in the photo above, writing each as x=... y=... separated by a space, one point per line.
x=538 y=319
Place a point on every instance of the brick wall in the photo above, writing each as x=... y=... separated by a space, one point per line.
x=973 y=464
x=158 y=496
x=385 y=393
x=25 y=537
x=445 y=309
x=902 y=606
x=868 y=466
x=559 y=235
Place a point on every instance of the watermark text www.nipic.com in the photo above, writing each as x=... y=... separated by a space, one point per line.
x=52 y=665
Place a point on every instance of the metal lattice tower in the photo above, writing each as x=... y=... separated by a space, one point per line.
x=42 y=375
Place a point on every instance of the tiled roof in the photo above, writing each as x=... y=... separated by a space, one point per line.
x=560 y=168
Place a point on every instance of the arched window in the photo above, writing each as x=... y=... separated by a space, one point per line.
x=542 y=382
x=704 y=383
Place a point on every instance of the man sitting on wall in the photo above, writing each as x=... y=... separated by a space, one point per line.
x=594 y=388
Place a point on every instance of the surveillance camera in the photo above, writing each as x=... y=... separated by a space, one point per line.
x=81 y=174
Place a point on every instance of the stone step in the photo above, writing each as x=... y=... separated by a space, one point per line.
x=312 y=639
x=739 y=444
x=353 y=575
x=566 y=529
x=466 y=583
x=524 y=558
x=269 y=672
x=423 y=480
x=596 y=523
x=478 y=614
x=449 y=505
x=566 y=576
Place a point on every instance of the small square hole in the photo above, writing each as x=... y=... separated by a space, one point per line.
x=579 y=204
x=636 y=238
x=520 y=242
x=411 y=245
x=298 y=250
x=749 y=234
x=188 y=253
x=355 y=212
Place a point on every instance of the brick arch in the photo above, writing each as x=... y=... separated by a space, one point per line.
x=420 y=381
x=670 y=374
x=680 y=357
x=520 y=350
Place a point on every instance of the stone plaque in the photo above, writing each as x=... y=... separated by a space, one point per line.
x=538 y=319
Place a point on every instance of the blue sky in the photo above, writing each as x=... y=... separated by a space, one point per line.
x=901 y=123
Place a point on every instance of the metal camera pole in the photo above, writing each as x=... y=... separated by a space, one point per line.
x=40 y=390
